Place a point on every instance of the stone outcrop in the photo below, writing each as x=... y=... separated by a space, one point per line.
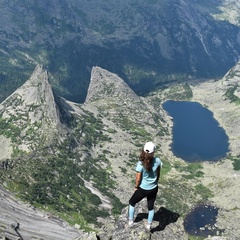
x=19 y=220
x=31 y=113
x=116 y=100
x=166 y=225
x=22 y=221
x=34 y=99
x=108 y=86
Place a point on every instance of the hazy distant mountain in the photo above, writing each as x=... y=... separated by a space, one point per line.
x=148 y=43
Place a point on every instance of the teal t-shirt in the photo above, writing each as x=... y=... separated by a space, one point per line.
x=149 y=179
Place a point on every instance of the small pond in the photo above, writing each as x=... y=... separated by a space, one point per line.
x=201 y=221
x=197 y=136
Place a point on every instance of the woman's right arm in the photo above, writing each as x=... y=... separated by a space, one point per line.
x=158 y=173
x=138 y=180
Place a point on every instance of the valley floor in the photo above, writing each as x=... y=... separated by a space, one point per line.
x=220 y=177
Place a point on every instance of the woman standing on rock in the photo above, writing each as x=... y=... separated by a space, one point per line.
x=147 y=176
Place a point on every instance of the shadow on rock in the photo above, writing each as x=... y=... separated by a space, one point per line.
x=163 y=216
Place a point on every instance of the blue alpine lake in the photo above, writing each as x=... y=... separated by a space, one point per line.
x=197 y=136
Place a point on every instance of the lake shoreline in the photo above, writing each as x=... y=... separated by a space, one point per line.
x=196 y=133
x=220 y=177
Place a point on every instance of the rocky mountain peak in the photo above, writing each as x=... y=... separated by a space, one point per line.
x=108 y=86
x=31 y=109
x=34 y=97
x=115 y=99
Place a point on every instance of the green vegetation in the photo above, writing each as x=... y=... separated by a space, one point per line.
x=17 y=127
x=149 y=77
x=178 y=192
x=231 y=96
x=53 y=177
x=54 y=182
x=132 y=159
x=180 y=92
x=110 y=130
x=90 y=129
x=123 y=170
x=12 y=74
x=190 y=237
x=9 y=130
x=194 y=170
x=187 y=92
x=137 y=132
x=236 y=162
x=166 y=167
x=136 y=74
x=175 y=195
x=203 y=191
x=124 y=122
x=191 y=170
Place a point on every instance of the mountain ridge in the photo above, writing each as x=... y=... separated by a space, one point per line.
x=98 y=151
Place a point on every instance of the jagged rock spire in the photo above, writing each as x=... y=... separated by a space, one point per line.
x=107 y=85
x=31 y=111
x=34 y=98
x=115 y=99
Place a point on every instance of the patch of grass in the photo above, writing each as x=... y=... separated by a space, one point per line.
x=192 y=170
x=231 y=96
x=203 y=191
x=110 y=130
x=123 y=170
x=67 y=195
x=191 y=237
x=175 y=195
x=179 y=193
x=166 y=167
x=180 y=92
x=235 y=162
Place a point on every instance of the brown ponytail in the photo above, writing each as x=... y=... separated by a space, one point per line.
x=146 y=159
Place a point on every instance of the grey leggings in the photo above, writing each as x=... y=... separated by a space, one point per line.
x=141 y=193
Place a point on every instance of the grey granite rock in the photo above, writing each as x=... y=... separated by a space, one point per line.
x=166 y=225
